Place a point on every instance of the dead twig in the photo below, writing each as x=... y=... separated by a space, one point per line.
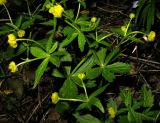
x=38 y=105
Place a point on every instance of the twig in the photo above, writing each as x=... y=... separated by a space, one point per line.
x=147 y=71
x=37 y=107
x=141 y=60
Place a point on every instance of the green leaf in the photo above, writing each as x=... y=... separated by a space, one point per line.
x=70 y=14
x=68 y=40
x=108 y=75
x=40 y=71
x=137 y=40
x=4 y=30
x=119 y=67
x=146 y=97
x=27 y=23
x=111 y=55
x=61 y=107
x=96 y=102
x=117 y=31
x=85 y=105
x=21 y=49
x=54 y=60
x=91 y=84
x=93 y=73
x=38 y=52
x=102 y=55
x=99 y=91
x=126 y=96
x=133 y=117
x=81 y=41
x=18 y=22
x=54 y=47
x=69 y=89
x=85 y=66
x=48 y=23
x=123 y=119
x=87 y=118
x=57 y=73
x=49 y=43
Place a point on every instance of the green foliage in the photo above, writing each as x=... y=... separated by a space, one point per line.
x=82 y=60
x=87 y=118
x=147 y=13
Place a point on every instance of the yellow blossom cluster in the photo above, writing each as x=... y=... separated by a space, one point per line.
x=111 y=112
x=132 y=15
x=21 y=33
x=151 y=36
x=93 y=19
x=124 y=29
x=12 y=67
x=56 y=10
x=3 y=2
x=55 y=97
x=81 y=75
x=12 y=40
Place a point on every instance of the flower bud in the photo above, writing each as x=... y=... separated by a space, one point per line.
x=151 y=36
x=81 y=75
x=93 y=19
x=55 y=97
x=132 y=15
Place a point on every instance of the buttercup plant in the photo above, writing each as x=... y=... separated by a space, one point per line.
x=82 y=60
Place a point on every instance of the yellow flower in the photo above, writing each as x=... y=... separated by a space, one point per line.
x=55 y=97
x=12 y=40
x=81 y=75
x=132 y=15
x=21 y=33
x=124 y=29
x=93 y=19
x=2 y=2
x=12 y=67
x=151 y=36
x=111 y=112
x=56 y=10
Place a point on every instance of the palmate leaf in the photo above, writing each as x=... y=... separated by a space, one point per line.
x=87 y=118
x=40 y=71
x=69 y=89
x=81 y=41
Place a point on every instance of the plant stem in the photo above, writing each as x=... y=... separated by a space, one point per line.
x=24 y=39
x=8 y=14
x=73 y=26
x=27 y=61
x=79 y=6
x=29 y=12
x=76 y=100
x=85 y=90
